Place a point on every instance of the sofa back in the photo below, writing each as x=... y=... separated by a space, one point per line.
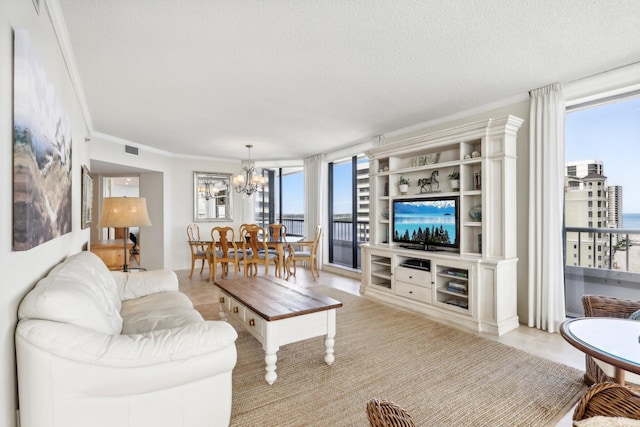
x=81 y=290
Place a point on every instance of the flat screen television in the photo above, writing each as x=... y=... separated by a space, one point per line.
x=427 y=223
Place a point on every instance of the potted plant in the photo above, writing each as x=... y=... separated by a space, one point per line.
x=403 y=185
x=454 y=178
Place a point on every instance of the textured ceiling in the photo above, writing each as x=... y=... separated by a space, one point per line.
x=297 y=78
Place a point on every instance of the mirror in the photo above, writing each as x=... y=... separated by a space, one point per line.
x=212 y=199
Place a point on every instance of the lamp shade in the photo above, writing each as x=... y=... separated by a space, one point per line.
x=120 y=212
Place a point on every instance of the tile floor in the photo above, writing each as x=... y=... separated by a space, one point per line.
x=543 y=344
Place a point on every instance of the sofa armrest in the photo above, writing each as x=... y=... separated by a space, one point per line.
x=129 y=351
x=89 y=363
x=139 y=284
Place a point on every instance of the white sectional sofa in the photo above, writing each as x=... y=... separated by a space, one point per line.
x=109 y=349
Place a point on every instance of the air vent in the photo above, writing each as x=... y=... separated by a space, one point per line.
x=131 y=150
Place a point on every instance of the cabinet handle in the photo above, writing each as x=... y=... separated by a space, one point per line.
x=221 y=299
x=235 y=310
x=410 y=277
x=252 y=322
x=410 y=292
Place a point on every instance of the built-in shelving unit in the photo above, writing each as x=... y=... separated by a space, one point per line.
x=484 y=154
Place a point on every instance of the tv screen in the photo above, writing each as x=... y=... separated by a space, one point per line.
x=429 y=221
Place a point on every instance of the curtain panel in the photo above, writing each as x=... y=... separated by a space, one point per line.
x=546 y=208
x=314 y=192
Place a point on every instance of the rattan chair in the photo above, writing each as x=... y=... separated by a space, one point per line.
x=609 y=400
x=602 y=306
x=384 y=413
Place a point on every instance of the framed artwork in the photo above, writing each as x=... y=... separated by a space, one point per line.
x=42 y=207
x=87 y=197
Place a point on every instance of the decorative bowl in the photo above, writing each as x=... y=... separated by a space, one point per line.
x=476 y=213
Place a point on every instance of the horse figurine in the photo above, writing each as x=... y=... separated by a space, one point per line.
x=427 y=184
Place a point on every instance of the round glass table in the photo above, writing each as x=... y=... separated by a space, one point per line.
x=610 y=340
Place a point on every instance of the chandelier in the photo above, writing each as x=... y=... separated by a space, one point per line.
x=209 y=190
x=248 y=181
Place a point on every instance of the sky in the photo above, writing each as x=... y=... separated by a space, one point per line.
x=610 y=133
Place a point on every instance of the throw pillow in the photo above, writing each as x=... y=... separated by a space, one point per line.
x=600 y=421
x=635 y=315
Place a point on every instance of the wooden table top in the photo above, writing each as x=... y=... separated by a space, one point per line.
x=273 y=299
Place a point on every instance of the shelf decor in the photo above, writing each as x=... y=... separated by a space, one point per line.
x=429 y=185
x=403 y=185
x=454 y=179
x=476 y=213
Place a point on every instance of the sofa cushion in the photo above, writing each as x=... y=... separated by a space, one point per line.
x=164 y=310
x=80 y=291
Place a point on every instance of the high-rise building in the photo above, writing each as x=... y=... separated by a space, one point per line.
x=586 y=206
x=614 y=216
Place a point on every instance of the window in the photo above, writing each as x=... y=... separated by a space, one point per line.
x=601 y=174
x=282 y=200
x=348 y=210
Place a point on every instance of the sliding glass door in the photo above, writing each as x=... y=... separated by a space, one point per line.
x=348 y=210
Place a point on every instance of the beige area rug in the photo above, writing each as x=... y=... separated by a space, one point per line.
x=442 y=376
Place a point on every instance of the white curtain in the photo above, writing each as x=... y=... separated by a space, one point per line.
x=314 y=199
x=546 y=208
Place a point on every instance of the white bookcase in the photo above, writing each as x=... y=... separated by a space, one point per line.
x=485 y=264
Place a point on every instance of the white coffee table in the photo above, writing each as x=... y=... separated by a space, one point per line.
x=277 y=313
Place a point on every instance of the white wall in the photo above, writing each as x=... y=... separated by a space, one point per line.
x=182 y=208
x=21 y=270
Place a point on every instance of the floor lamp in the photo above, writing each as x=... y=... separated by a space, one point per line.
x=124 y=212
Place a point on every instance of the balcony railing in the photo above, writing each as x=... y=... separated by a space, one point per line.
x=605 y=243
x=604 y=261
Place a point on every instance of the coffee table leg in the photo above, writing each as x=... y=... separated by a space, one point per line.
x=331 y=333
x=270 y=360
x=328 y=350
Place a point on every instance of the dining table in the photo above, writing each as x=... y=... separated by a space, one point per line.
x=279 y=244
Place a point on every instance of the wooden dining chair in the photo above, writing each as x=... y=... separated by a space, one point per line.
x=197 y=247
x=304 y=251
x=255 y=250
x=277 y=231
x=224 y=251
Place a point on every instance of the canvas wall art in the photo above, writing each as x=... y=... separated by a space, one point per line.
x=41 y=152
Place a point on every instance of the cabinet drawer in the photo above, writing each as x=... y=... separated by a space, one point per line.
x=254 y=323
x=418 y=293
x=413 y=275
x=225 y=301
x=236 y=309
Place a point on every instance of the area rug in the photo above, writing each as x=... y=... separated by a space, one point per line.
x=440 y=375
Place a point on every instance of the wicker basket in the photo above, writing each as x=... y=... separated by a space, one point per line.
x=383 y=413
x=609 y=400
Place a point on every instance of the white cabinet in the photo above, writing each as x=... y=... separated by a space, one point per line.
x=484 y=156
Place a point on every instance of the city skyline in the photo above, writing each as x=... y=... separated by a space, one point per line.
x=609 y=133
